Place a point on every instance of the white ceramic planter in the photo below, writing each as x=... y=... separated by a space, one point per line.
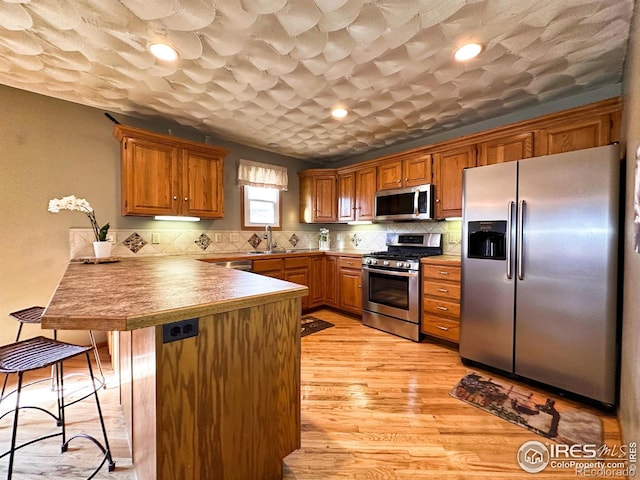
x=102 y=249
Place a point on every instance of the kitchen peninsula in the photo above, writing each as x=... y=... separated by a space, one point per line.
x=208 y=361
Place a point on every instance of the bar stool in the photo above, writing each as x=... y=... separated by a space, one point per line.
x=33 y=315
x=39 y=352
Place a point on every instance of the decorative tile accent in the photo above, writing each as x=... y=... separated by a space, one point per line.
x=355 y=239
x=203 y=241
x=293 y=239
x=134 y=242
x=254 y=241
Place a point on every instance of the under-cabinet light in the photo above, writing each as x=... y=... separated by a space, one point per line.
x=172 y=218
x=360 y=222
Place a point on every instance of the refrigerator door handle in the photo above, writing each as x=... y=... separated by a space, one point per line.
x=508 y=240
x=520 y=238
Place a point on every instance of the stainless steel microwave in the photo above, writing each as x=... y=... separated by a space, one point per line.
x=403 y=204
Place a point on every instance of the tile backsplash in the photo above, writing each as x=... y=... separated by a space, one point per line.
x=144 y=243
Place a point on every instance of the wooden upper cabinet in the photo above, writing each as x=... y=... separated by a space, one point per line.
x=164 y=175
x=505 y=149
x=318 y=196
x=356 y=189
x=347 y=196
x=447 y=168
x=202 y=185
x=404 y=170
x=575 y=135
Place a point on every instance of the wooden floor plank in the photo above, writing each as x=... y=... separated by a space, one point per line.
x=374 y=406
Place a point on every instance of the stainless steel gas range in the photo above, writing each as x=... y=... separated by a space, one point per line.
x=391 y=283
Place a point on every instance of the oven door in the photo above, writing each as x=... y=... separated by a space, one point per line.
x=392 y=293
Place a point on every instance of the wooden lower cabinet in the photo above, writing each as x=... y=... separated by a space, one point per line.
x=441 y=298
x=350 y=285
x=330 y=281
x=296 y=270
x=316 y=281
x=270 y=267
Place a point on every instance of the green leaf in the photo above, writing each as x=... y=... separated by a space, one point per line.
x=102 y=234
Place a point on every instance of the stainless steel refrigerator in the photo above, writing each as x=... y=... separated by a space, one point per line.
x=540 y=269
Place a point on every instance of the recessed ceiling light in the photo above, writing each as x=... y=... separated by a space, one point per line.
x=339 y=112
x=163 y=51
x=468 y=51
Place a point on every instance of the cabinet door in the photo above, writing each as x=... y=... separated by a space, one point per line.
x=448 y=167
x=585 y=133
x=417 y=170
x=202 y=184
x=325 y=209
x=506 y=149
x=350 y=291
x=390 y=175
x=301 y=277
x=364 y=193
x=316 y=281
x=149 y=177
x=331 y=280
x=346 y=197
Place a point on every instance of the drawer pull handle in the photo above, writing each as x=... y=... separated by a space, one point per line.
x=444 y=309
x=446 y=329
x=443 y=273
x=443 y=290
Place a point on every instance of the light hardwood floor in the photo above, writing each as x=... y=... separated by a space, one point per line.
x=374 y=406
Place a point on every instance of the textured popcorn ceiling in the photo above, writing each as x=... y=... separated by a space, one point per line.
x=261 y=72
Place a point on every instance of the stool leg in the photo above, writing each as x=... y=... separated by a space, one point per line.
x=112 y=464
x=97 y=355
x=15 y=428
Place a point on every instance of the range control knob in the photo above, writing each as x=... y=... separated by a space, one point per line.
x=401 y=264
x=386 y=263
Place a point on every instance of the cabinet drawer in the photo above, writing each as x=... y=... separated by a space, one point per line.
x=349 y=262
x=441 y=327
x=437 y=307
x=445 y=290
x=267 y=265
x=441 y=272
x=296 y=262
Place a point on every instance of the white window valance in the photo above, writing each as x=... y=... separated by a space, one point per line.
x=256 y=174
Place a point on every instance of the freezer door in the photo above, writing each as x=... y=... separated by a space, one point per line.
x=487 y=297
x=566 y=297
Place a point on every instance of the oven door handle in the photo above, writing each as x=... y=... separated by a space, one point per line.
x=391 y=273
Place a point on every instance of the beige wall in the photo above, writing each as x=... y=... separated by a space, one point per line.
x=52 y=148
x=629 y=413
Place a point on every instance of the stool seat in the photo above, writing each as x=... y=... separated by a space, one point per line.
x=28 y=315
x=36 y=352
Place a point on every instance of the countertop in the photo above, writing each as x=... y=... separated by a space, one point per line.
x=138 y=293
x=224 y=257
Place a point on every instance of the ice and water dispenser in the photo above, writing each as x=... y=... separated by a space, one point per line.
x=487 y=239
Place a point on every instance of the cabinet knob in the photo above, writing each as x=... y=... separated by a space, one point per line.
x=186 y=199
x=437 y=200
x=175 y=197
x=406 y=179
x=399 y=180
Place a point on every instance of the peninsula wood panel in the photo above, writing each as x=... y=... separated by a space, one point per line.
x=224 y=404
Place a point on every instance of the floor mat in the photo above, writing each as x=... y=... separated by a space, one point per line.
x=536 y=412
x=310 y=324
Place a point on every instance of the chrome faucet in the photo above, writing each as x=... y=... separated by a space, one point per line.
x=269 y=237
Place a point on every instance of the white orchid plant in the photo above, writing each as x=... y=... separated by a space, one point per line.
x=324 y=234
x=80 y=205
